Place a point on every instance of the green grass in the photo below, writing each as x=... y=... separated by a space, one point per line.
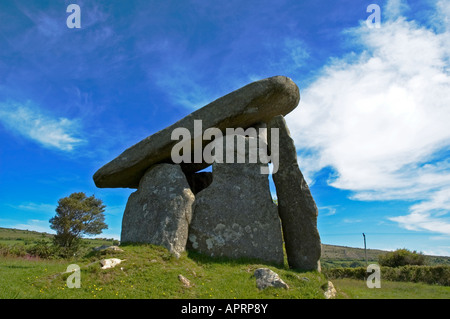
x=21 y=278
x=332 y=256
x=11 y=237
x=357 y=289
x=151 y=272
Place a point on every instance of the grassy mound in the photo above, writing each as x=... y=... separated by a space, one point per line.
x=151 y=272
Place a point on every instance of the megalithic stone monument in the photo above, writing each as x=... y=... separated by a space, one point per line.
x=229 y=211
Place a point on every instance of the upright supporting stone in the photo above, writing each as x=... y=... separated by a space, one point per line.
x=296 y=206
x=160 y=210
x=235 y=215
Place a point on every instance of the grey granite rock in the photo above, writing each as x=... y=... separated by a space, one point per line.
x=296 y=207
x=235 y=215
x=160 y=210
x=199 y=181
x=267 y=278
x=256 y=102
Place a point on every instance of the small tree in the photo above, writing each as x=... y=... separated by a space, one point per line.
x=77 y=215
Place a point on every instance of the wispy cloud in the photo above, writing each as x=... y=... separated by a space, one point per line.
x=430 y=215
x=351 y=221
x=32 y=123
x=330 y=210
x=35 y=207
x=380 y=118
x=183 y=88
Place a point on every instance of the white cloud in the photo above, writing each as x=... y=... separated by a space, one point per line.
x=381 y=118
x=297 y=51
x=351 y=221
x=36 y=207
x=184 y=89
x=429 y=214
x=331 y=210
x=395 y=8
x=30 y=122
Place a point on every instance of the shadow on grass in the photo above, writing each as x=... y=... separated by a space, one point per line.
x=205 y=259
x=16 y=267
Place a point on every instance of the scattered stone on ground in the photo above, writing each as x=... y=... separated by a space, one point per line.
x=108 y=248
x=110 y=262
x=186 y=283
x=268 y=278
x=331 y=292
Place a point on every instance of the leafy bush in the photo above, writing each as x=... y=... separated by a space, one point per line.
x=338 y=273
x=14 y=250
x=401 y=257
x=43 y=249
x=439 y=275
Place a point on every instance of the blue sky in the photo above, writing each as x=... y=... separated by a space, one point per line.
x=371 y=128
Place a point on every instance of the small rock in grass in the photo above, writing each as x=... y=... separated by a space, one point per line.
x=186 y=283
x=331 y=292
x=268 y=278
x=110 y=262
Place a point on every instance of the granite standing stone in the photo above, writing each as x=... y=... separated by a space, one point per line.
x=235 y=216
x=160 y=210
x=296 y=207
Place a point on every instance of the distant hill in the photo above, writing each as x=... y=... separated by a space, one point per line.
x=12 y=236
x=332 y=255
x=342 y=256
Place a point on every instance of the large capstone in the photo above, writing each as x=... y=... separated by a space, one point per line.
x=296 y=207
x=256 y=102
x=160 y=210
x=235 y=216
